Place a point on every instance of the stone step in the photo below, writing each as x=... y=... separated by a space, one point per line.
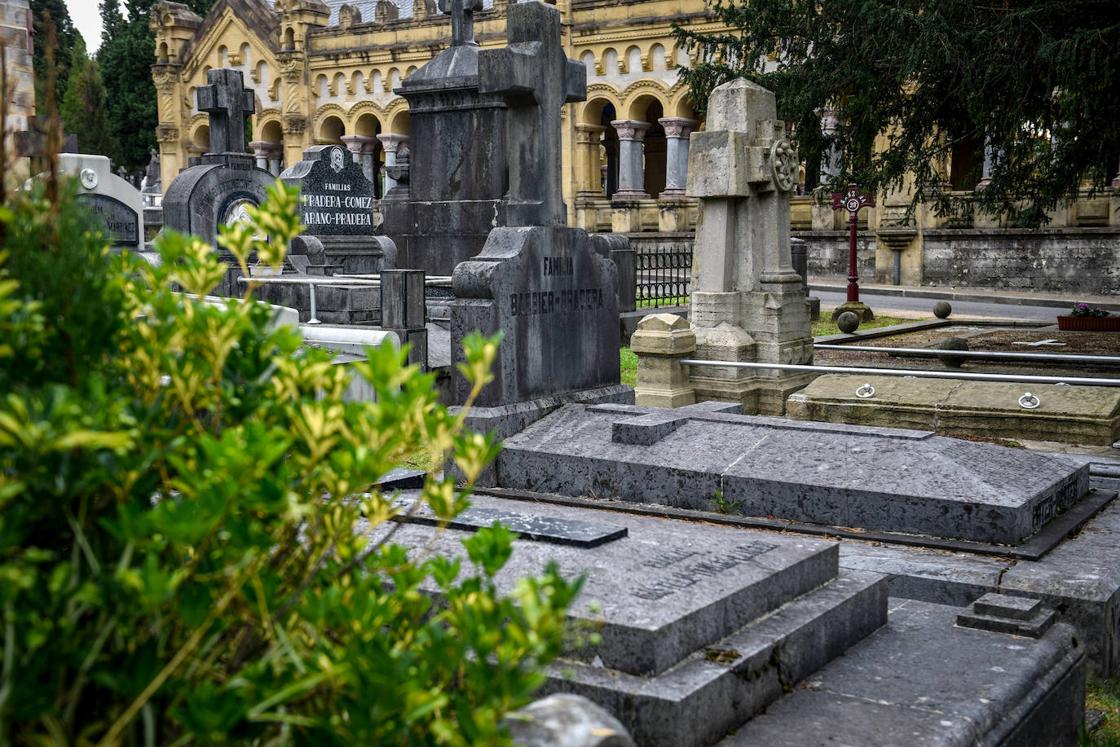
x=722 y=685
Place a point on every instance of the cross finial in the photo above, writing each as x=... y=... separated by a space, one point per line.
x=462 y=20
x=228 y=104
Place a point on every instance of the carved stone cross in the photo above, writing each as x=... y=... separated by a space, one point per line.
x=537 y=79
x=462 y=20
x=228 y=103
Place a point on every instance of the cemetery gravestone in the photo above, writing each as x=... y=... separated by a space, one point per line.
x=748 y=303
x=117 y=203
x=442 y=214
x=226 y=180
x=336 y=207
x=540 y=283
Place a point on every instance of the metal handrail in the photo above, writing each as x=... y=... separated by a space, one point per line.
x=328 y=281
x=989 y=354
x=1012 y=378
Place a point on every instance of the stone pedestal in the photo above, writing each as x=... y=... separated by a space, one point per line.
x=661 y=342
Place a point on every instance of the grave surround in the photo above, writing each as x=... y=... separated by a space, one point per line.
x=869 y=478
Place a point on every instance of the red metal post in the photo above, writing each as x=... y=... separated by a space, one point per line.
x=853 y=202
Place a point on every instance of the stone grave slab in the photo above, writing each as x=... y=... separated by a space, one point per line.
x=847 y=476
x=118 y=204
x=662 y=591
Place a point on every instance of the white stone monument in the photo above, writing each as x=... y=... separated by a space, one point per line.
x=748 y=302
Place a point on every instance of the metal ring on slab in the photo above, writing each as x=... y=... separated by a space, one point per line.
x=1029 y=401
x=866 y=391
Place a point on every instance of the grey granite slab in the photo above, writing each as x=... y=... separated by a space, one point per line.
x=909 y=482
x=539 y=528
x=666 y=589
x=923 y=681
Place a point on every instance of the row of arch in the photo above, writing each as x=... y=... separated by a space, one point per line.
x=359 y=82
x=634 y=59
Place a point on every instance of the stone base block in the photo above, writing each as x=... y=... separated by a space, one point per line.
x=757 y=395
x=860 y=309
x=1073 y=414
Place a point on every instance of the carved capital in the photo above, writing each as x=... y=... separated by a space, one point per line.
x=295 y=124
x=167 y=133
x=630 y=129
x=678 y=127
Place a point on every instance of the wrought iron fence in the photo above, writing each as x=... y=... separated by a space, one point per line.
x=663 y=274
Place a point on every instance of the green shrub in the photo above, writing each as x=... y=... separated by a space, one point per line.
x=186 y=517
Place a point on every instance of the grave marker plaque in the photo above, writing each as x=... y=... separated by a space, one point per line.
x=118 y=204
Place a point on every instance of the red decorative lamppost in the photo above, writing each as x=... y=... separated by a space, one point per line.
x=853 y=201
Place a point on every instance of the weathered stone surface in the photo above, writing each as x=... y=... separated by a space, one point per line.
x=117 y=203
x=566 y=721
x=458 y=168
x=1074 y=414
x=899 y=481
x=999 y=613
x=974 y=687
x=554 y=299
x=665 y=590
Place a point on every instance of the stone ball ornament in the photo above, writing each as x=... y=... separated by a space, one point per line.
x=942 y=309
x=783 y=161
x=848 y=322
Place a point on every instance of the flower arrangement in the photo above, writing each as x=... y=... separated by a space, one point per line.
x=1084 y=309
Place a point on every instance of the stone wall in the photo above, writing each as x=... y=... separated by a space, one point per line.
x=1068 y=260
x=828 y=253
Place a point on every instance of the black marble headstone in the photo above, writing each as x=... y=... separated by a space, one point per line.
x=122 y=224
x=336 y=199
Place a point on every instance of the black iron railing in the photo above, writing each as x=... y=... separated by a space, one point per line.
x=663 y=276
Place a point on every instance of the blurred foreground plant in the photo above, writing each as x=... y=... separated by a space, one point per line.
x=192 y=550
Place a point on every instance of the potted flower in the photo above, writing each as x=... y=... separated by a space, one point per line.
x=1086 y=318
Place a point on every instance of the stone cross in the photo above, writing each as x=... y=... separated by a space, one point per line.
x=537 y=79
x=462 y=20
x=228 y=103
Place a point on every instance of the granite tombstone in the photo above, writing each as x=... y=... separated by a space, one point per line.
x=537 y=281
x=336 y=206
x=442 y=215
x=226 y=180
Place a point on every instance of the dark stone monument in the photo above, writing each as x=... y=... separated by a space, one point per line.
x=442 y=214
x=404 y=311
x=216 y=191
x=336 y=207
x=539 y=282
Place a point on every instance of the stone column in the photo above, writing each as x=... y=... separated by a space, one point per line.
x=589 y=138
x=276 y=159
x=261 y=150
x=631 y=152
x=391 y=143
x=661 y=342
x=1116 y=179
x=677 y=131
x=362 y=148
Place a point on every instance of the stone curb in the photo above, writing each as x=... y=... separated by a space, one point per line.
x=965 y=296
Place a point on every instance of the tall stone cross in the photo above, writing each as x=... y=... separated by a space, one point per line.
x=537 y=79
x=228 y=103
x=462 y=20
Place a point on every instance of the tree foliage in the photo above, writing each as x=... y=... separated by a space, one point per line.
x=52 y=25
x=126 y=61
x=85 y=107
x=911 y=81
x=112 y=21
x=192 y=546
